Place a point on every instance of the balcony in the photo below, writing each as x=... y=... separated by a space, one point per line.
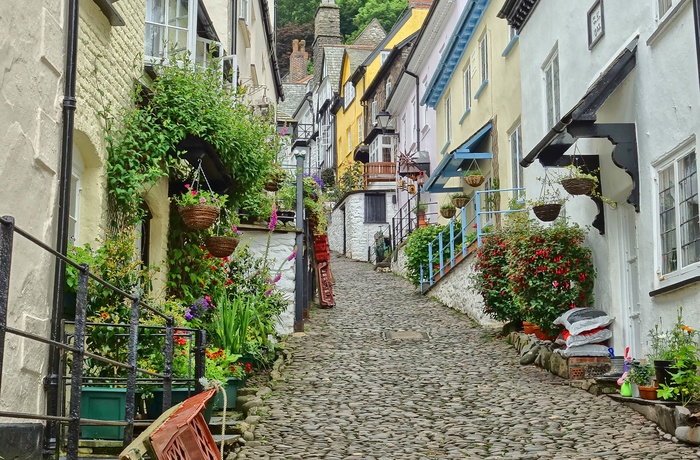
x=379 y=172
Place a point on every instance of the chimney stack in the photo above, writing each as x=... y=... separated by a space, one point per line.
x=298 y=61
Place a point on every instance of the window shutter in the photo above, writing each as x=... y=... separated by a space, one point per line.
x=375 y=208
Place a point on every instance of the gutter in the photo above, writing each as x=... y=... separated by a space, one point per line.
x=69 y=105
x=411 y=74
x=271 y=49
x=558 y=129
x=696 y=21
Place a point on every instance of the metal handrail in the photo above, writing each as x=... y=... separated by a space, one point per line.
x=78 y=350
x=441 y=251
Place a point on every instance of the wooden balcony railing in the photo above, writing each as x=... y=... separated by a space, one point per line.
x=380 y=172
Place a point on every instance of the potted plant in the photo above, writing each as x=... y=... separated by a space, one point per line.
x=198 y=208
x=460 y=199
x=578 y=182
x=226 y=369
x=420 y=210
x=474 y=178
x=255 y=206
x=642 y=376
x=448 y=210
x=223 y=238
x=548 y=206
x=274 y=178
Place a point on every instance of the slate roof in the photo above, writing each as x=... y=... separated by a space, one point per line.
x=294 y=93
x=333 y=60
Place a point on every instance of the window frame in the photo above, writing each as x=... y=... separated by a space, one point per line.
x=660 y=15
x=553 y=112
x=360 y=130
x=349 y=136
x=157 y=43
x=515 y=138
x=448 y=119
x=77 y=171
x=484 y=59
x=672 y=160
x=347 y=99
x=387 y=87
x=369 y=219
x=467 y=87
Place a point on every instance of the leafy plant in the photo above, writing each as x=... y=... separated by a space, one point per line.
x=256 y=205
x=417 y=251
x=226 y=225
x=462 y=195
x=447 y=207
x=471 y=172
x=420 y=208
x=230 y=324
x=665 y=345
x=641 y=374
x=491 y=277
x=686 y=381
x=193 y=197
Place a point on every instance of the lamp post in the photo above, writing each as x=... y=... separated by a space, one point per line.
x=299 y=152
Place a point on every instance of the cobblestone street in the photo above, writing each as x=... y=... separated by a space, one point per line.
x=353 y=392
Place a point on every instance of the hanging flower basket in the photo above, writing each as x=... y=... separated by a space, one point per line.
x=199 y=216
x=448 y=213
x=578 y=185
x=271 y=185
x=221 y=246
x=460 y=202
x=547 y=212
x=474 y=181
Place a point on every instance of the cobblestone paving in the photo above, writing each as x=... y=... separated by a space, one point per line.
x=352 y=393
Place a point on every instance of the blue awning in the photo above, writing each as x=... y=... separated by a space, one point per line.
x=452 y=163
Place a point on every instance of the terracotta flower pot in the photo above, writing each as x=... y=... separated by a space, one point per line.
x=647 y=392
x=528 y=328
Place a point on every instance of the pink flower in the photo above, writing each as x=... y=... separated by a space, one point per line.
x=187 y=186
x=273 y=218
x=278 y=277
x=193 y=192
x=292 y=255
x=555 y=283
x=202 y=200
x=268 y=292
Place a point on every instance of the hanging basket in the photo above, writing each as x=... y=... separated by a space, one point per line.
x=460 y=202
x=448 y=213
x=199 y=216
x=547 y=212
x=221 y=246
x=578 y=186
x=271 y=185
x=474 y=181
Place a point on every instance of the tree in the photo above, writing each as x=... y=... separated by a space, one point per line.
x=296 y=11
x=348 y=11
x=285 y=35
x=387 y=12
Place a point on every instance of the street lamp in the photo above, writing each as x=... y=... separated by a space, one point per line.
x=300 y=150
x=382 y=119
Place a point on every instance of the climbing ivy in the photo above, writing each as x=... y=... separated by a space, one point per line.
x=183 y=100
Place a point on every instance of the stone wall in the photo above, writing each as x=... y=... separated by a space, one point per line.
x=281 y=247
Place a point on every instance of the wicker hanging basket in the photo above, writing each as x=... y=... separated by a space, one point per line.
x=578 y=186
x=221 y=246
x=474 y=181
x=547 y=212
x=460 y=202
x=199 y=216
x=271 y=185
x=448 y=213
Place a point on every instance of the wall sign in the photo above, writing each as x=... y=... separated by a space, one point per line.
x=596 y=23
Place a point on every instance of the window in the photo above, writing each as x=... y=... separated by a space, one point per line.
x=489 y=201
x=484 y=57
x=382 y=57
x=349 y=139
x=360 y=130
x=75 y=194
x=664 y=6
x=244 y=11
x=467 y=82
x=388 y=149
x=679 y=224
x=374 y=111
x=516 y=155
x=348 y=94
x=170 y=27
x=143 y=236
x=551 y=78
x=388 y=87
x=375 y=208
x=448 y=119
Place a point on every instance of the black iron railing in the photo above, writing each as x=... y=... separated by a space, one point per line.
x=75 y=345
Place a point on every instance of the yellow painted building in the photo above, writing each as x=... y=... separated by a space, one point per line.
x=477 y=97
x=355 y=78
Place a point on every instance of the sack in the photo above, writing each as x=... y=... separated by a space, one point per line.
x=595 y=336
x=578 y=320
x=583 y=350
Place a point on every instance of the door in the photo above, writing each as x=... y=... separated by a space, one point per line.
x=630 y=279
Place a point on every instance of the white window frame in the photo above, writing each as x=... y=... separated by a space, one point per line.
x=448 y=119
x=467 y=84
x=388 y=145
x=387 y=87
x=360 y=130
x=76 y=188
x=484 y=58
x=516 y=155
x=156 y=41
x=672 y=162
x=663 y=7
x=349 y=136
x=243 y=10
x=374 y=111
x=348 y=94
x=382 y=57
x=552 y=77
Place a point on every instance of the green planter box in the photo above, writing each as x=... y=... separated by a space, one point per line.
x=231 y=388
x=103 y=404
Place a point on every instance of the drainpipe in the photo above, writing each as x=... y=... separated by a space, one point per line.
x=51 y=380
x=696 y=17
x=411 y=74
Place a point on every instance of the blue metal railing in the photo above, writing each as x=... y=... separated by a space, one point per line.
x=454 y=240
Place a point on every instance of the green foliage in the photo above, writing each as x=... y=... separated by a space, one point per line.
x=256 y=205
x=182 y=100
x=386 y=12
x=666 y=344
x=193 y=197
x=641 y=374
x=328 y=177
x=352 y=178
x=686 y=381
x=417 y=250
x=447 y=207
x=296 y=11
x=230 y=325
x=491 y=278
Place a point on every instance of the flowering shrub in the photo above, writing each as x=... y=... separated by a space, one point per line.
x=491 y=278
x=549 y=270
x=220 y=365
x=193 y=196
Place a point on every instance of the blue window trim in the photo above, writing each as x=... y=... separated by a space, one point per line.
x=481 y=88
x=510 y=45
x=464 y=115
x=444 y=147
